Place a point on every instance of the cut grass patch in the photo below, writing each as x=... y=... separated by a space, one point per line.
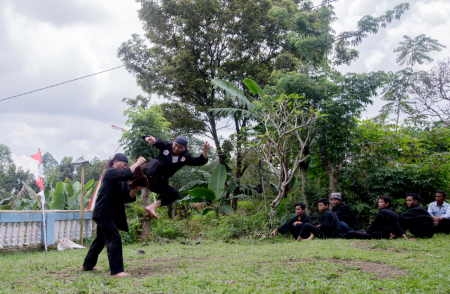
x=243 y=266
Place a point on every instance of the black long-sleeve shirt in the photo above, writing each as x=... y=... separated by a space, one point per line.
x=329 y=224
x=305 y=219
x=418 y=221
x=113 y=195
x=167 y=168
x=385 y=223
x=344 y=214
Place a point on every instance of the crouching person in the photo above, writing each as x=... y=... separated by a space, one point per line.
x=109 y=214
x=295 y=225
x=385 y=223
x=417 y=219
x=328 y=227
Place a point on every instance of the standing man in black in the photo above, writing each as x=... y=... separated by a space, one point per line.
x=347 y=219
x=328 y=227
x=172 y=157
x=417 y=219
x=109 y=214
x=295 y=225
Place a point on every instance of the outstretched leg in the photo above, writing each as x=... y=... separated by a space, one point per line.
x=167 y=195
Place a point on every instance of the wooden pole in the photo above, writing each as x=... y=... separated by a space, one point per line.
x=82 y=205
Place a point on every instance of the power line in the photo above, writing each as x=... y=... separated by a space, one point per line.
x=61 y=83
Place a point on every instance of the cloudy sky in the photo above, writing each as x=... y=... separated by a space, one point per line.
x=51 y=41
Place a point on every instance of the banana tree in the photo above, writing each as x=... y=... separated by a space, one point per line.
x=66 y=195
x=215 y=194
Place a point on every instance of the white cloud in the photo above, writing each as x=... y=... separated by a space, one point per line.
x=26 y=163
x=49 y=41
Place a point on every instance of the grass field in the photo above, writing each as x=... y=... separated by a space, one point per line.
x=245 y=266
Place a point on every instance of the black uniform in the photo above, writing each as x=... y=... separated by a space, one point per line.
x=345 y=215
x=329 y=227
x=418 y=221
x=295 y=230
x=161 y=169
x=385 y=223
x=109 y=214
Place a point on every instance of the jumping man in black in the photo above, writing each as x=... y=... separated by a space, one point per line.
x=172 y=157
x=109 y=214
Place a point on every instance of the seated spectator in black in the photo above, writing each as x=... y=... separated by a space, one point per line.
x=440 y=212
x=296 y=223
x=328 y=226
x=347 y=219
x=417 y=219
x=385 y=223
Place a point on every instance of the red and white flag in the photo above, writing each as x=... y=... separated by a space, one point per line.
x=118 y=128
x=39 y=181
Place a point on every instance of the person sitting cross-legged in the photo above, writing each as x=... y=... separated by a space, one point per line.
x=347 y=219
x=440 y=212
x=385 y=223
x=328 y=227
x=296 y=223
x=417 y=219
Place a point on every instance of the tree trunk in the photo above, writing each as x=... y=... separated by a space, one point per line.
x=145 y=221
x=240 y=167
x=333 y=179
x=304 y=183
x=212 y=123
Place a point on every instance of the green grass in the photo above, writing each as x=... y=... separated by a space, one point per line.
x=245 y=266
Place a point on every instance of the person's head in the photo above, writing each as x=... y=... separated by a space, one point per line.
x=300 y=208
x=119 y=161
x=323 y=204
x=440 y=197
x=384 y=201
x=336 y=199
x=179 y=145
x=412 y=199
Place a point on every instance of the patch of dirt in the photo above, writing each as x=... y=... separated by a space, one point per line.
x=370 y=247
x=142 y=268
x=298 y=260
x=379 y=270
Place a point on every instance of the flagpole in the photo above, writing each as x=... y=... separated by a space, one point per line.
x=40 y=183
x=43 y=218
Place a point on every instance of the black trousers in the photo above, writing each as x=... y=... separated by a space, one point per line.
x=309 y=229
x=358 y=235
x=419 y=230
x=294 y=230
x=107 y=234
x=443 y=227
x=167 y=194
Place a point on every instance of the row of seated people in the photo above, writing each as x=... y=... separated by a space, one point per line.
x=341 y=222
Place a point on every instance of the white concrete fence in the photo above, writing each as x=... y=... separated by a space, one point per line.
x=19 y=229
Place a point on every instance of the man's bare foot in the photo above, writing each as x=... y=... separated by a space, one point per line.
x=93 y=269
x=310 y=238
x=151 y=211
x=122 y=274
x=298 y=240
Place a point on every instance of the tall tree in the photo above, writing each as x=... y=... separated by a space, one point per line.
x=193 y=42
x=431 y=92
x=415 y=50
x=411 y=51
x=143 y=121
